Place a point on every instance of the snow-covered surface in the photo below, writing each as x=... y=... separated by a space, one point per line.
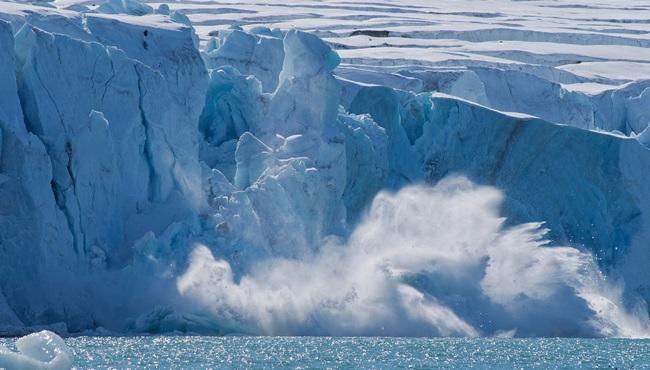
x=571 y=50
x=386 y=172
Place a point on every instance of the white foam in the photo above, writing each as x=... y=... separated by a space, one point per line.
x=424 y=261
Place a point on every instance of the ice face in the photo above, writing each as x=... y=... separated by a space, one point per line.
x=143 y=135
x=281 y=192
x=81 y=167
x=31 y=221
x=43 y=350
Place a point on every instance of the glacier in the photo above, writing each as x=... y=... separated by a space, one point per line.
x=157 y=179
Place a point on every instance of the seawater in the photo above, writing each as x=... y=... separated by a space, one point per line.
x=197 y=352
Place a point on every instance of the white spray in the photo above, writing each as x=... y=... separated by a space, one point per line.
x=424 y=261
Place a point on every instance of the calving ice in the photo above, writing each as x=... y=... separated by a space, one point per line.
x=252 y=184
x=481 y=278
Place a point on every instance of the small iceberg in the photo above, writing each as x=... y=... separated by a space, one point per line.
x=42 y=350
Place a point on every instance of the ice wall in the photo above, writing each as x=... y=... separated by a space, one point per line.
x=31 y=222
x=98 y=149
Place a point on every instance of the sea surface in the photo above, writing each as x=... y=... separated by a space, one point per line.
x=195 y=352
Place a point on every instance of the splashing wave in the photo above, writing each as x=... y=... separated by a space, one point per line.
x=434 y=261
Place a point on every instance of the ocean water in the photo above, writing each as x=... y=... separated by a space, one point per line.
x=195 y=352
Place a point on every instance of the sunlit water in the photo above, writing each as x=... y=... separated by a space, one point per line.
x=384 y=353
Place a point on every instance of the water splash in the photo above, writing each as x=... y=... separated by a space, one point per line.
x=434 y=261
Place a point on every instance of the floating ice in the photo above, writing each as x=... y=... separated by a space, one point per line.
x=44 y=350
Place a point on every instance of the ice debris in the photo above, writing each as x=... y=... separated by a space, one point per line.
x=38 y=351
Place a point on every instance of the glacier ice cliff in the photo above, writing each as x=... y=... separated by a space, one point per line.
x=256 y=186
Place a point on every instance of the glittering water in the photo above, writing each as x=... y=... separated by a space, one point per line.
x=157 y=352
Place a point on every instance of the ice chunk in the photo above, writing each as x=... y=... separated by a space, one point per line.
x=260 y=55
x=44 y=350
x=306 y=76
x=131 y=7
x=383 y=105
x=366 y=157
x=163 y=9
x=234 y=104
x=252 y=158
x=180 y=17
x=644 y=137
x=307 y=56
